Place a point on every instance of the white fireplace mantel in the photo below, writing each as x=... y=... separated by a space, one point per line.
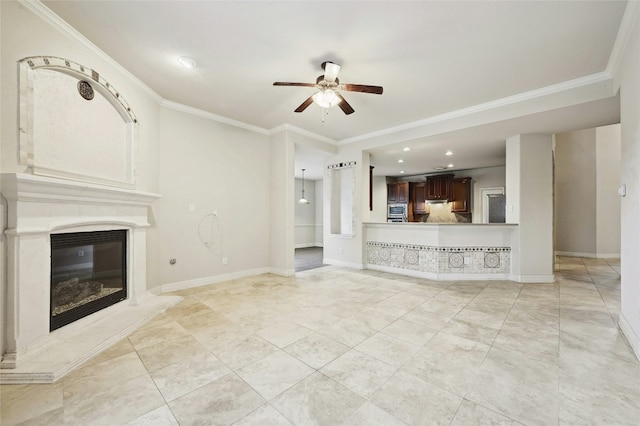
x=39 y=206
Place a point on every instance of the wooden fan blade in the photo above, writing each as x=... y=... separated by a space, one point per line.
x=344 y=105
x=305 y=104
x=377 y=90
x=281 y=83
x=330 y=71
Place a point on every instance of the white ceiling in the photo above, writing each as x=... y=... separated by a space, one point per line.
x=431 y=57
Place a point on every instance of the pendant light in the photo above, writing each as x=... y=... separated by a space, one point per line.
x=302 y=199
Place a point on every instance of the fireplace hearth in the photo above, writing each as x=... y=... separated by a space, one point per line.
x=88 y=274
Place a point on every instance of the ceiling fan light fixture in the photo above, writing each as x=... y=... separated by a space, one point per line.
x=187 y=62
x=326 y=98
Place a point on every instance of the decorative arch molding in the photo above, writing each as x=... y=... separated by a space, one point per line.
x=102 y=159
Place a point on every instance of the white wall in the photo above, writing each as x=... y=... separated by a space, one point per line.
x=281 y=204
x=575 y=193
x=318 y=206
x=587 y=205
x=630 y=176
x=379 y=213
x=529 y=190
x=607 y=199
x=212 y=167
x=487 y=177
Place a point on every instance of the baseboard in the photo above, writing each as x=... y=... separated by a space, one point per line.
x=589 y=255
x=305 y=245
x=336 y=262
x=533 y=278
x=282 y=272
x=630 y=335
x=182 y=285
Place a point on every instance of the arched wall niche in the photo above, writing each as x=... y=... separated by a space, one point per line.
x=74 y=124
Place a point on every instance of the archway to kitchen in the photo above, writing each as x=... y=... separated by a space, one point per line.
x=309 y=222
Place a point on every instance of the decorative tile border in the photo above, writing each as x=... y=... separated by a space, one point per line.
x=440 y=260
x=341 y=165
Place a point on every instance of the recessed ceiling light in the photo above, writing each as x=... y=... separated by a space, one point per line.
x=401 y=172
x=406 y=149
x=401 y=161
x=450 y=166
x=439 y=168
x=448 y=153
x=187 y=62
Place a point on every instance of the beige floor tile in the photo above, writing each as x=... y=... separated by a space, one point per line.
x=316 y=350
x=521 y=368
x=408 y=331
x=451 y=374
x=264 y=416
x=274 y=374
x=241 y=353
x=388 y=349
x=370 y=415
x=164 y=332
x=527 y=404
x=560 y=336
x=284 y=333
x=182 y=377
x=359 y=372
x=116 y=404
x=221 y=402
x=100 y=376
x=159 y=417
x=470 y=331
x=598 y=405
x=167 y=353
x=416 y=401
x=349 y=332
x=318 y=400
x=471 y=413
x=444 y=345
x=19 y=403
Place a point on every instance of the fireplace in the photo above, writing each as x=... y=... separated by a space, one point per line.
x=88 y=274
x=57 y=231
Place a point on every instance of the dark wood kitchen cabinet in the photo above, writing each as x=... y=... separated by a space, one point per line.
x=419 y=198
x=439 y=187
x=461 y=200
x=398 y=192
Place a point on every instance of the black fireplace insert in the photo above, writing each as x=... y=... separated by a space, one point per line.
x=88 y=273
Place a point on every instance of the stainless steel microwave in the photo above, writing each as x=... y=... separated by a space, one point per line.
x=397 y=211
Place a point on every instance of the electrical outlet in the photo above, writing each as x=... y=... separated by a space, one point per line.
x=192 y=208
x=225 y=260
x=80 y=253
x=467 y=260
x=214 y=213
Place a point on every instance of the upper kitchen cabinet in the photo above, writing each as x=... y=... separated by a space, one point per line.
x=439 y=187
x=419 y=197
x=461 y=201
x=398 y=192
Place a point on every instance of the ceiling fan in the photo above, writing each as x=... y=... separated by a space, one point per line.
x=328 y=85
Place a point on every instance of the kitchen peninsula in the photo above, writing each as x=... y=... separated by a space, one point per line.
x=443 y=251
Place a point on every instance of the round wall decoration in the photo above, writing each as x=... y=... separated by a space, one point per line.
x=85 y=90
x=491 y=260
x=384 y=254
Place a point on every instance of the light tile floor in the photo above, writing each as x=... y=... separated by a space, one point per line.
x=342 y=347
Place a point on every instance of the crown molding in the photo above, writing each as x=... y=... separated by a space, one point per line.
x=214 y=117
x=58 y=23
x=294 y=129
x=629 y=20
x=554 y=89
